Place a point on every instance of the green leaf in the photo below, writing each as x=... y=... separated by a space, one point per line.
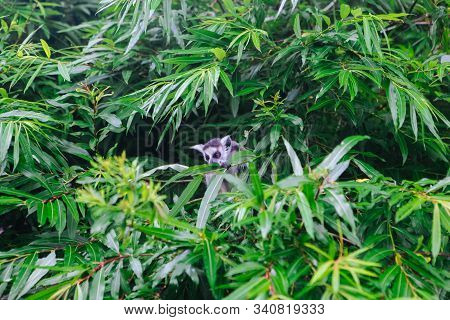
x=60 y=216
x=81 y=291
x=295 y=161
x=440 y=184
x=38 y=273
x=209 y=260
x=186 y=195
x=256 y=41
x=239 y=184
x=306 y=213
x=71 y=207
x=8 y=201
x=357 y=12
x=208 y=88
x=341 y=150
x=6 y=133
x=35 y=74
x=352 y=86
x=136 y=266
x=403 y=146
x=265 y=222
x=41 y=213
x=97 y=289
x=401 y=103
x=279 y=281
x=413 y=116
x=22 y=276
x=401 y=289
x=297 y=28
x=111 y=119
x=219 y=53
x=229 y=5
x=3 y=93
x=388 y=276
x=275 y=132
x=393 y=98
x=436 y=237
x=187 y=60
x=115 y=282
x=112 y=242
x=46 y=48
x=256 y=183
x=69 y=256
x=51 y=212
x=368 y=170
x=408 y=208
x=345 y=10
x=250 y=289
x=210 y=195
x=63 y=71
x=322 y=271
x=226 y=81
x=342 y=207
x=335 y=279
x=167 y=234
x=367 y=34
x=326 y=19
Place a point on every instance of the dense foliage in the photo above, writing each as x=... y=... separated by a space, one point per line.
x=342 y=107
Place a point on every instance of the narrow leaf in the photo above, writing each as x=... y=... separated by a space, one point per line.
x=205 y=206
x=295 y=161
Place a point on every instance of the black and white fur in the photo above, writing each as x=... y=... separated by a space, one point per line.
x=220 y=151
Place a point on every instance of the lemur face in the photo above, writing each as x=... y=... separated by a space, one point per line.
x=218 y=150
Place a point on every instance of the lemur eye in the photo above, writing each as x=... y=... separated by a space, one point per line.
x=216 y=155
x=206 y=157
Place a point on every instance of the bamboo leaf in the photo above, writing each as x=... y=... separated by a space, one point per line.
x=367 y=35
x=295 y=161
x=63 y=71
x=136 y=266
x=6 y=133
x=344 y=11
x=342 y=207
x=322 y=271
x=209 y=260
x=186 y=195
x=256 y=183
x=115 y=282
x=61 y=217
x=250 y=289
x=22 y=276
x=306 y=213
x=265 y=223
x=436 y=236
x=227 y=82
x=407 y=209
x=97 y=288
x=112 y=242
x=38 y=273
x=297 y=28
x=210 y=195
x=46 y=48
x=341 y=150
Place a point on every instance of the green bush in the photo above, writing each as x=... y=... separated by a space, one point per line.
x=342 y=108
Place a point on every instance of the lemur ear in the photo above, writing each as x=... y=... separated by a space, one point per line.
x=198 y=147
x=226 y=141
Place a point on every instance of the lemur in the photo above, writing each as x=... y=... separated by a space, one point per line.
x=220 y=151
